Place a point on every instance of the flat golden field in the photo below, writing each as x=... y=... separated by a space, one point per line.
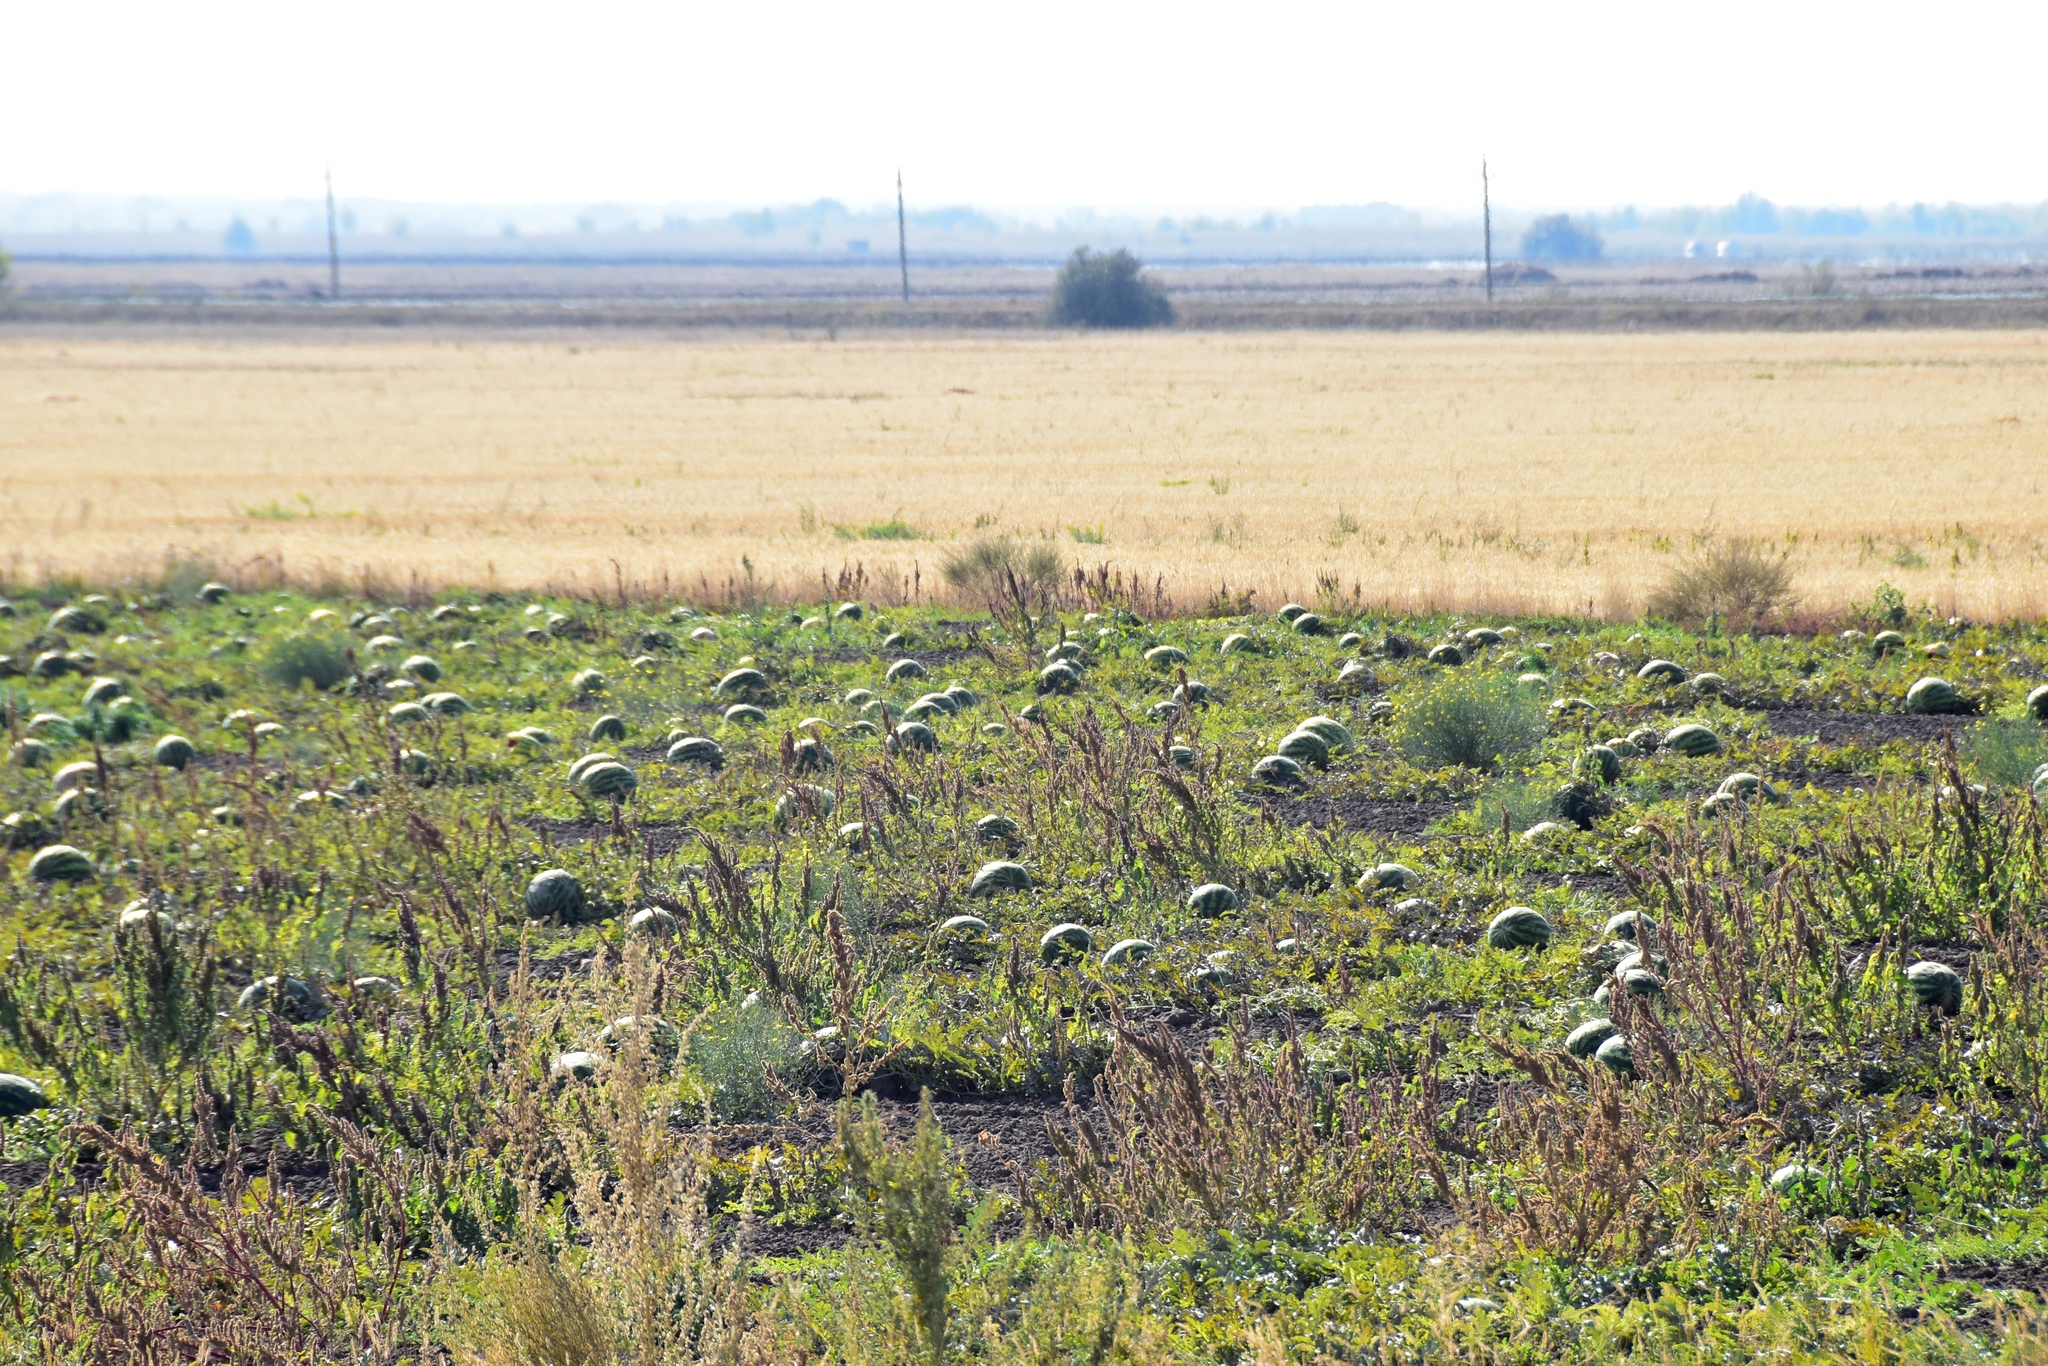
x=1483 y=472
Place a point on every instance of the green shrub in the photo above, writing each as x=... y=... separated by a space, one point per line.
x=2004 y=751
x=1107 y=291
x=1473 y=720
x=727 y=1051
x=318 y=657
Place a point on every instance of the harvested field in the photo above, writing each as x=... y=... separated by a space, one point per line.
x=1482 y=472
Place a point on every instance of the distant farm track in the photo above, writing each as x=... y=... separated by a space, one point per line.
x=1540 y=471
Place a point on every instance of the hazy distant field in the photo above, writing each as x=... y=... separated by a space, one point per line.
x=1538 y=472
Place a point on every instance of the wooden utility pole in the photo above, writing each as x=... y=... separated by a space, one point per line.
x=902 y=237
x=1486 y=203
x=333 y=245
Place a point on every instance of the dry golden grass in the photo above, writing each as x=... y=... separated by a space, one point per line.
x=1484 y=472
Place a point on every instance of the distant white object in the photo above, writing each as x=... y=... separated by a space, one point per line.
x=1726 y=248
x=1692 y=251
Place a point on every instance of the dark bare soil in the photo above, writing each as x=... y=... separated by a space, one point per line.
x=1864 y=728
x=661 y=839
x=1375 y=815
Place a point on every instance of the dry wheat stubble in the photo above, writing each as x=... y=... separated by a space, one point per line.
x=1484 y=471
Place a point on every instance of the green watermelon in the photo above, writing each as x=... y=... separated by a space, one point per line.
x=32 y=753
x=1335 y=734
x=963 y=928
x=1128 y=953
x=916 y=736
x=848 y=611
x=407 y=713
x=1794 y=1176
x=1646 y=739
x=1484 y=635
x=1600 y=764
x=1749 y=787
x=1238 y=643
x=1692 y=740
x=1165 y=656
x=1212 y=899
x=999 y=876
x=745 y=714
x=809 y=755
x=1059 y=676
x=1585 y=1041
x=1661 y=671
x=19 y=1096
x=213 y=594
x=1290 y=611
x=1933 y=697
x=696 y=749
x=1388 y=877
x=995 y=730
x=704 y=635
x=102 y=691
x=904 y=668
x=1305 y=747
x=656 y=1034
x=1182 y=756
x=1633 y=926
x=1518 y=927
x=1277 y=770
x=996 y=829
x=742 y=682
x=1936 y=986
x=60 y=863
x=174 y=751
x=2037 y=703
x=575 y=1065
x=1357 y=674
x=1063 y=942
x=1613 y=1052
x=586 y=763
x=800 y=801
x=1448 y=655
x=607 y=728
x=609 y=782
x=1309 y=624
x=445 y=703
x=554 y=895
x=75 y=620
x=1063 y=651
x=289 y=996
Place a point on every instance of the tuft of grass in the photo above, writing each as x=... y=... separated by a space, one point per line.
x=316 y=657
x=2004 y=751
x=729 y=1049
x=1737 y=581
x=1088 y=535
x=1470 y=720
x=895 y=529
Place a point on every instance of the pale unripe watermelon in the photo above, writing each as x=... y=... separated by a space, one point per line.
x=1356 y=673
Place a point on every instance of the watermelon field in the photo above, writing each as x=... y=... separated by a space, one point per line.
x=464 y=976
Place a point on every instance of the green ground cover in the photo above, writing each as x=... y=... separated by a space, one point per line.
x=1350 y=989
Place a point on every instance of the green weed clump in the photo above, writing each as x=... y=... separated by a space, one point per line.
x=319 y=658
x=1473 y=720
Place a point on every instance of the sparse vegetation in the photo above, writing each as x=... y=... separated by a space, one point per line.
x=1557 y=238
x=1474 y=720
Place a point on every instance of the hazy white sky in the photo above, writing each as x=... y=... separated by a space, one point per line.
x=1134 y=105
